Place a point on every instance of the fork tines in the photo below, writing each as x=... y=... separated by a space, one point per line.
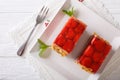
x=44 y=12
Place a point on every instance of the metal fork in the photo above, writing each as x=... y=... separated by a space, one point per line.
x=41 y=16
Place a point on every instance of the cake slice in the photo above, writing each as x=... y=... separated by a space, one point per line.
x=68 y=37
x=94 y=54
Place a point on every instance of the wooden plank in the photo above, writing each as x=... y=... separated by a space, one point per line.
x=8 y=21
x=20 y=5
x=16 y=69
x=117 y=17
x=111 y=4
x=115 y=11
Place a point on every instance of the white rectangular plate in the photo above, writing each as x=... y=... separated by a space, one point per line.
x=66 y=66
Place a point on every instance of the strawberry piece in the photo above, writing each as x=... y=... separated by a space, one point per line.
x=89 y=51
x=67 y=38
x=69 y=23
x=68 y=46
x=70 y=20
x=80 y=29
x=98 y=43
x=70 y=34
x=64 y=31
x=95 y=53
x=80 y=58
x=95 y=67
x=86 y=61
x=82 y=24
x=97 y=56
x=74 y=23
x=106 y=51
x=60 y=40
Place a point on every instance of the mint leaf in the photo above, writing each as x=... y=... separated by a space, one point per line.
x=42 y=47
x=69 y=12
x=42 y=51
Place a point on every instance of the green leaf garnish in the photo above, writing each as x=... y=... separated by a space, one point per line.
x=42 y=47
x=69 y=12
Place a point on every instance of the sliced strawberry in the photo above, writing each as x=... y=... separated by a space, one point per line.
x=71 y=19
x=86 y=61
x=97 y=56
x=64 y=31
x=82 y=24
x=69 y=22
x=79 y=29
x=74 y=24
x=89 y=51
x=68 y=46
x=60 y=40
x=70 y=34
x=95 y=67
x=106 y=51
x=98 y=43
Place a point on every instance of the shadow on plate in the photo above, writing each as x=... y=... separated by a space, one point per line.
x=80 y=46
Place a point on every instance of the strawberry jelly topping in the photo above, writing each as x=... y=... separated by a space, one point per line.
x=89 y=51
x=60 y=40
x=97 y=56
x=70 y=34
x=96 y=51
x=77 y=36
x=98 y=43
x=95 y=66
x=86 y=61
x=68 y=45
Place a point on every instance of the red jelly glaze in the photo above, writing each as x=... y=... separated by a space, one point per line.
x=76 y=38
x=95 y=67
x=97 y=56
x=79 y=29
x=86 y=61
x=68 y=46
x=89 y=51
x=64 y=31
x=74 y=23
x=96 y=50
x=107 y=49
x=98 y=43
x=60 y=40
x=69 y=34
x=80 y=58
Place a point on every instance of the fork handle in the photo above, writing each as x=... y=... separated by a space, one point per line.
x=22 y=48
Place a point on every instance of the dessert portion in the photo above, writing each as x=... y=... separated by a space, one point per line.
x=94 y=54
x=68 y=37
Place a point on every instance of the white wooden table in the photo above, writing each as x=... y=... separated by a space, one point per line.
x=13 y=12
